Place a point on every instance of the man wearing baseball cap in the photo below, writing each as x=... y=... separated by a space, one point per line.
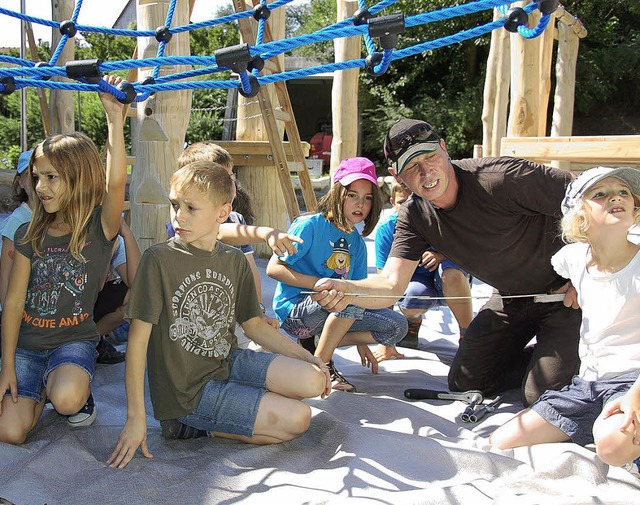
x=498 y=219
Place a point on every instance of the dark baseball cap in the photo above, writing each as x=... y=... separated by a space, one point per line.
x=407 y=139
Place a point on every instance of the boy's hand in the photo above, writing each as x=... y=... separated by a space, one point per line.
x=431 y=259
x=110 y=103
x=132 y=436
x=8 y=382
x=281 y=243
x=271 y=321
x=367 y=358
x=383 y=353
x=314 y=360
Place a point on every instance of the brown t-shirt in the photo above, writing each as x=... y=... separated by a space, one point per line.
x=503 y=229
x=193 y=299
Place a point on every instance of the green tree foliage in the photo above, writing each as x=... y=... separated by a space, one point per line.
x=445 y=86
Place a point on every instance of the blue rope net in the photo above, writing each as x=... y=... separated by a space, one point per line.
x=377 y=29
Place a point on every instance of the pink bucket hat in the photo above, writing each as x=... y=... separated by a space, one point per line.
x=352 y=169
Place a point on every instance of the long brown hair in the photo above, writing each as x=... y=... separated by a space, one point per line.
x=331 y=207
x=77 y=161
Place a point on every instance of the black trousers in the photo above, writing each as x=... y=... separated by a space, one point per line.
x=492 y=355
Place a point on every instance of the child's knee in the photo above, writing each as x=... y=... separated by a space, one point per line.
x=300 y=421
x=613 y=447
x=67 y=402
x=13 y=433
x=315 y=382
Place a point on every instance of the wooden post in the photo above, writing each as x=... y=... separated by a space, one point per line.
x=525 y=97
x=563 y=100
x=61 y=104
x=262 y=183
x=544 y=80
x=156 y=161
x=496 y=91
x=344 y=93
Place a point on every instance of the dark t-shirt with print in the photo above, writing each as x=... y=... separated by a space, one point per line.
x=503 y=229
x=193 y=299
x=63 y=290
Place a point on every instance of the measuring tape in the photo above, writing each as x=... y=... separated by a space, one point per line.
x=537 y=298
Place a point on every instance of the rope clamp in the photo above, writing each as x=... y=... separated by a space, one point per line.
x=42 y=64
x=548 y=6
x=514 y=18
x=8 y=85
x=387 y=28
x=163 y=34
x=68 y=28
x=235 y=57
x=361 y=16
x=261 y=11
x=89 y=70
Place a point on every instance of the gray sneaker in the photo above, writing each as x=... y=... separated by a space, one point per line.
x=85 y=416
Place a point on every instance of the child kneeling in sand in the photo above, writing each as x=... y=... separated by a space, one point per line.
x=187 y=295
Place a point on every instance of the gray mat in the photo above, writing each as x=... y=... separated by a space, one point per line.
x=373 y=446
x=370 y=447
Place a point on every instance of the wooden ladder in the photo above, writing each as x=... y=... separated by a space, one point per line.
x=285 y=114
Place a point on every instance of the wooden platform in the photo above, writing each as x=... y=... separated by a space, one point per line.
x=258 y=153
x=582 y=152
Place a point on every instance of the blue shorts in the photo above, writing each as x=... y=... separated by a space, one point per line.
x=34 y=366
x=575 y=408
x=231 y=406
x=426 y=283
x=307 y=319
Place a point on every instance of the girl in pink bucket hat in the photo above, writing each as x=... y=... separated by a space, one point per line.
x=333 y=247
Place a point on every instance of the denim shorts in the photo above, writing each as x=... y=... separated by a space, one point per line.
x=426 y=283
x=575 y=408
x=307 y=319
x=34 y=366
x=231 y=406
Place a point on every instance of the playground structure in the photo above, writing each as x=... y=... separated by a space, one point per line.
x=517 y=90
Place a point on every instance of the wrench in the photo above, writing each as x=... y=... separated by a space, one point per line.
x=483 y=410
x=429 y=394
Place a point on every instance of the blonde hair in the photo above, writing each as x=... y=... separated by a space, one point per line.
x=206 y=177
x=77 y=161
x=206 y=151
x=575 y=223
x=331 y=207
x=210 y=151
x=399 y=187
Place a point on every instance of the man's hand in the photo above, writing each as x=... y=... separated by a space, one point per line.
x=330 y=294
x=570 y=295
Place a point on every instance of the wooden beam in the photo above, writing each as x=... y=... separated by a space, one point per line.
x=344 y=93
x=617 y=150
x=570 y=21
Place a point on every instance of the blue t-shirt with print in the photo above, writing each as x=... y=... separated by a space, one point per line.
x=326 y=252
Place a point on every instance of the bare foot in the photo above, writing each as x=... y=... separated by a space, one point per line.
x=383 y=353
